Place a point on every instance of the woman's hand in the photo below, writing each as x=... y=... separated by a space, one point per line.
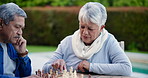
x=83 y=65
x=59 y=64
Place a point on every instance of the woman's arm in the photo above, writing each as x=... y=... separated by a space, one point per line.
x=120 y=64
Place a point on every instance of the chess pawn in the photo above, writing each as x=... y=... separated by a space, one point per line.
x=89 y=76
x=49 y=75
x=50 y=71
x=71 y=75
x=67 y=75
x=64 y=73
x=75 y=74
x=56 y=74
x=39 y=73
x=45 y=75
x=82 y=76
x=71 y=70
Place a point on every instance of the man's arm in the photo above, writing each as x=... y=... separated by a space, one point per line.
x=25 y=66
x=6 y=76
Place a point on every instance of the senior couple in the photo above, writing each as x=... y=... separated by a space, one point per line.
x=91 y=49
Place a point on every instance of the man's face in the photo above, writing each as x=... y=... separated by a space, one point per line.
x=13 y=31
x=89 y=32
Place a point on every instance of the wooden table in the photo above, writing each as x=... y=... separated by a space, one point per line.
x=101 y=76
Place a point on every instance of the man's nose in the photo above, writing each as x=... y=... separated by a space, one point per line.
x=20 y=32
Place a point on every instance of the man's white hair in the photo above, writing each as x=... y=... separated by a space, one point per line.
x=93 y=12
x=9 y=10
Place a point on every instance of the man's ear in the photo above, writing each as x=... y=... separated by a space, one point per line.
x=1 y=24
x=1 y=27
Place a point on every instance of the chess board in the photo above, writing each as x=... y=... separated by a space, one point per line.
x=73 y=74
x=56 y=74
x=60 y=75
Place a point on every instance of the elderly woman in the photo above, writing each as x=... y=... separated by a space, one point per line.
x=91 y=49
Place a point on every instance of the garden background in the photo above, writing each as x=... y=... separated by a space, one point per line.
x=49 y=21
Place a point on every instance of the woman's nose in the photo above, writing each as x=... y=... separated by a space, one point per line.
x=85 y=31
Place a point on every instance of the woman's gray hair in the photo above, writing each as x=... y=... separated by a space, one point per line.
x=9 y=10
x=93 y=12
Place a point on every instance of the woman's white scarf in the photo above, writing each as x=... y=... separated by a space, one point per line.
x=85 y=52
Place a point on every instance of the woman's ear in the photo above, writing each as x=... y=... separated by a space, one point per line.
x=103 y=26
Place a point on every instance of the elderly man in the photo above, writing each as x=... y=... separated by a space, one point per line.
x=14 y=61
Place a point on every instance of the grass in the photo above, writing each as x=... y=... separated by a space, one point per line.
x=34 y=48
x=144 y=52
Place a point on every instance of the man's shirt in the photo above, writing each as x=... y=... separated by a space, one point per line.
x=9 y=65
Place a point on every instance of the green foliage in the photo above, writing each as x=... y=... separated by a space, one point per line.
x=50 y=27
x=129 y=3
x=35 y=48
x=118 y=3
x=130 y=27
x=132 y=46
x=60 y=2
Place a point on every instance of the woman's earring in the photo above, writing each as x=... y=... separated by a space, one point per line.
x=103 y=26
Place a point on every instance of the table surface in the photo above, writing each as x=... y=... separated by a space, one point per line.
x=79 y=75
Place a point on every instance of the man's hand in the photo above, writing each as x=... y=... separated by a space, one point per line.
x=83 y=65
x=20 y=45
x=59 y=64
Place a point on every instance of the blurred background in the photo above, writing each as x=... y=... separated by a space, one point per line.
x=49 y=21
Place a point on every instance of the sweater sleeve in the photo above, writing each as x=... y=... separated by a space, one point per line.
x=6 y=76
x=120 y=64
x=24 y=66
x=58 y=54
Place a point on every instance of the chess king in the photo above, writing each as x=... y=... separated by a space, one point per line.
x=91 y=49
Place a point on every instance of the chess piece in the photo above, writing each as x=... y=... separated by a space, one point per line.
x=56 y=75
x=82 y=76
x=75 y=74
x=89 y=76
x=71 y=70
x=39 y=73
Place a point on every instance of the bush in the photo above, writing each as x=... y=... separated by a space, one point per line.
x=130 y=27
x=112 y=3
x=49 y=27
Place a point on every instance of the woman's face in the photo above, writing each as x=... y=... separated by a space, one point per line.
x=89 y=32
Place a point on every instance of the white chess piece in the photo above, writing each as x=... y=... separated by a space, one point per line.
x=71 y=72
x=75 y=74
x=71 y=69
x=64 y=74
x=56 y=73
x=82 y=76
x=50 y=71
